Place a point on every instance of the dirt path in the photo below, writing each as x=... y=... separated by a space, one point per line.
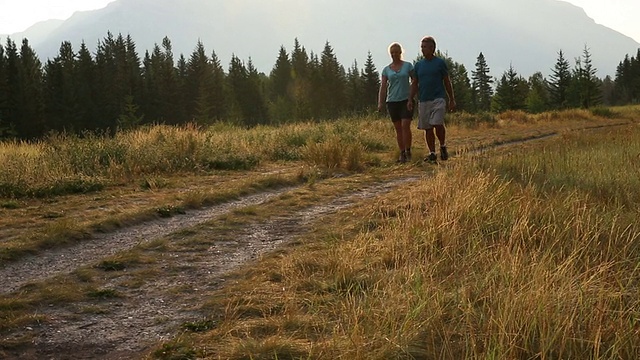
x=140 y=318
x=60 y=261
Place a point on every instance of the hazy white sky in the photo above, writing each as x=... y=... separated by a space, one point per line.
x=619 y=15
x=18 y=15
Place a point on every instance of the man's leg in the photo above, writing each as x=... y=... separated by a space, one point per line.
x=441 y=133
x=430 y=139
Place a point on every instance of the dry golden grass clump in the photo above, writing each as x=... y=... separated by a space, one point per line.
x=66 y=164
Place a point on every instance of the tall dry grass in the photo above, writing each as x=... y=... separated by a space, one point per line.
x=516 y=257
x=61 y=164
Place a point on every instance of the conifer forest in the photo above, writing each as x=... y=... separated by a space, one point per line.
x=113 y=87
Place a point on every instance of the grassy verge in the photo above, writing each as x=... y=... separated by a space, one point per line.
x=65 y=164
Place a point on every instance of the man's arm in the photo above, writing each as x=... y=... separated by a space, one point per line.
x=449 y=88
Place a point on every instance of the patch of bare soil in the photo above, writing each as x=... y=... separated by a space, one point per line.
x=140 y=318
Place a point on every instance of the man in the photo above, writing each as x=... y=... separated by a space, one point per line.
x=432 y=84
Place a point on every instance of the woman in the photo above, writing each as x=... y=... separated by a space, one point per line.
x=394 y=91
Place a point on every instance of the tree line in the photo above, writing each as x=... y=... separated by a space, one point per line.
x=114 y=88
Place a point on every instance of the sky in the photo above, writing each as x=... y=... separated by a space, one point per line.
x=619 y=15
x=18 y=15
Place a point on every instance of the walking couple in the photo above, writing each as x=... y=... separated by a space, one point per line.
x=429 y=80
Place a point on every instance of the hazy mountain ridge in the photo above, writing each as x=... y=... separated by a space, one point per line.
x=525 y=33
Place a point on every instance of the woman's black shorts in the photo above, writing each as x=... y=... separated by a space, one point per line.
x=398 y=110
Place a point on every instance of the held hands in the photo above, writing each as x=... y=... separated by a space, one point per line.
x=452 y=105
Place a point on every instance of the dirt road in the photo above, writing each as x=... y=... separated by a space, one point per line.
x=140 y=318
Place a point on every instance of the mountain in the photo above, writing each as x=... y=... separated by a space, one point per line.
x=40 y=30
x=526 y=34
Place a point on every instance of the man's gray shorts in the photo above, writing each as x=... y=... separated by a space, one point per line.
x=431 y=113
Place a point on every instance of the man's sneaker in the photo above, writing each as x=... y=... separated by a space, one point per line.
x=444 y=155
x=432 y=157
x=402 y=158
x=407 y=154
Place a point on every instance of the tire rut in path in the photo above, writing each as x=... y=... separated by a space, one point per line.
x=64 y=260
x=144 y=316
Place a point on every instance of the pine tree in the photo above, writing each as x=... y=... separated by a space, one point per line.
x=538 y=99
x=281 y=82
x=511 y=92
x=199 y=86
x=461 y=87
x=280 y=76
x=634 y=76
x=623 y=84
x=109 y=82
x=61 y=101
x=316 y=108
x=608 y=91
x=10 y=112
x=330 y=85
x=301 y=90
x=130 y=117
x=353 y=90
x=237 y=80
x=172 y=107
x=118 y=77
x=559 y=83
x=460 y=83
x=152 y=102
x=183 y=80
x=4 y=93
x=30 y=119
x=133 y=71
x=299 y=61
x=218 y=90
x=627 y=81
x=85 y=70
x=255 y=107
x=370 y=83
x=585 y=84
x=481 y=85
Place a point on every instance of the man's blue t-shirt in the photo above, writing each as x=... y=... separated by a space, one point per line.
x=430 y=74
x=398 y=82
